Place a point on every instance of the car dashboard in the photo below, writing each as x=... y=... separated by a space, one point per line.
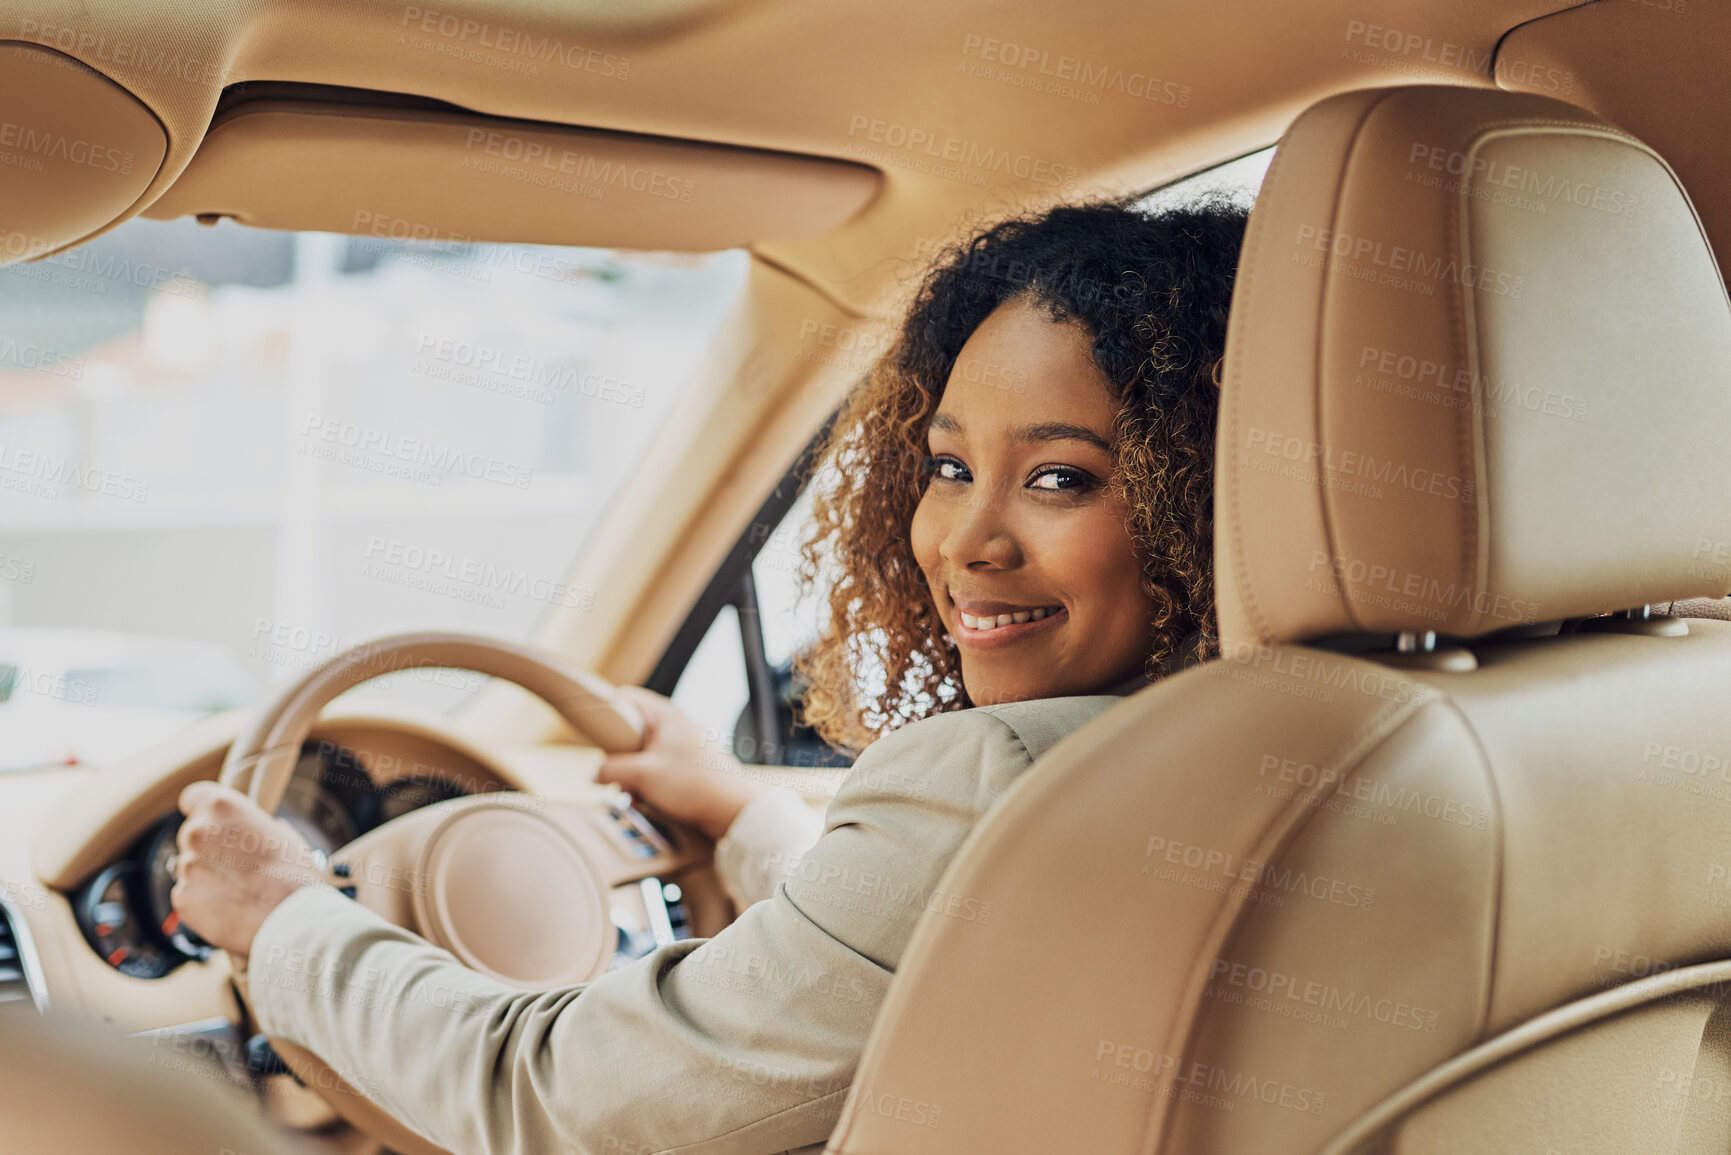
x=86 y=921
x=125 y=911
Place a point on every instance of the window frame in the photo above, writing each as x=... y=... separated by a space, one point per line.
x=733 y=584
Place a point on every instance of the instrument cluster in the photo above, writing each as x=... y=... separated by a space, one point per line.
x=125 y=911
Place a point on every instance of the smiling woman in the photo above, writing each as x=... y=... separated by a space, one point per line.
x=1039 y=438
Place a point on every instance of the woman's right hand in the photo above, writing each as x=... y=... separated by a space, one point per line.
x=676 y=772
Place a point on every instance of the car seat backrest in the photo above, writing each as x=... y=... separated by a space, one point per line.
x=1345 y=888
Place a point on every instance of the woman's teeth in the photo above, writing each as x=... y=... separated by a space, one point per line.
x=973 y=623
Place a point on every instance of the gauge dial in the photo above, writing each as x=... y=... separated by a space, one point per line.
x=107 y=911
x=344 y=779
x=315 y=811
x=406 y=794
x=161 y=857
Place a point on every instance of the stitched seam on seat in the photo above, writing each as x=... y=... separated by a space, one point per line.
x=1243 y=278
x=1533 y=1034
x=1469 y=424
x=1319 y=392
x=1296 y=815
x=1498 y=855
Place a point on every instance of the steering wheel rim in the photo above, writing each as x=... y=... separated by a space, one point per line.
x=262 y=759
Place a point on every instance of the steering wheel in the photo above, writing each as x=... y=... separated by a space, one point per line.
x=515 y=886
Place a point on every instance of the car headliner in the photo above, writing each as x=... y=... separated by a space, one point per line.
x=1214 y=81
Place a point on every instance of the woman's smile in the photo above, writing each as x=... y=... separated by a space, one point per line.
x=991 y=631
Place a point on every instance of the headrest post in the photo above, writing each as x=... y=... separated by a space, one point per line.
x=1415 y=643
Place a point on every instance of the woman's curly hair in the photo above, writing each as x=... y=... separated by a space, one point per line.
x=1153 y=291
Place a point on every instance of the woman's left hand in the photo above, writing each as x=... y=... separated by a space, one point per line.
x=236 y=864
x=679 y=772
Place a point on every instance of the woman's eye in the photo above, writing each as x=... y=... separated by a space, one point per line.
x=947 y=468
x=1060 y=478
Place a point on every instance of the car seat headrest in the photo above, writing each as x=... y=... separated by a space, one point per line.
x=1478 y=373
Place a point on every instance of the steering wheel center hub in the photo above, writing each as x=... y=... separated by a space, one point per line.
x=511 y=895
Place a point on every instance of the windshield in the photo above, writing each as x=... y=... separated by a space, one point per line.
x=226 y=453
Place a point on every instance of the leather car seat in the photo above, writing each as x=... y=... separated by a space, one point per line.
x=67 y=1087
x=1437 y=855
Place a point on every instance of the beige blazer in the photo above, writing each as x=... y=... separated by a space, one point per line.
x=746 y=1042
x=775 y=827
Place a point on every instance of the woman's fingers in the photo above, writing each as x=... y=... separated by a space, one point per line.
x=236 y=863
x=202 y=792
x=624 y=770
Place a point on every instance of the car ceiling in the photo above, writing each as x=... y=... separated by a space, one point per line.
x=1170 y=87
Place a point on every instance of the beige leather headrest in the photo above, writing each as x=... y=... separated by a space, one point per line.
x=1478 y=373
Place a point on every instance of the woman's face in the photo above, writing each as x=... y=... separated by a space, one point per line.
x=1027 y=555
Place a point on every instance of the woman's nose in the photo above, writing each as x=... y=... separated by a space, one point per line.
x=980 y=535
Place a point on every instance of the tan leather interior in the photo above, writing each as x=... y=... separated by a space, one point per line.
x=1544 y=1086
x=438 y=175
x=150 y=1096
x=1656 y=70
x=1297 y=900
x=76 y=150
x=514 y=886
x=101 y=818
x=1418 y=279
x=924 y=93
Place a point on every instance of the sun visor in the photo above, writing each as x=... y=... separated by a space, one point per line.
x=76 y=150
x=438 y=175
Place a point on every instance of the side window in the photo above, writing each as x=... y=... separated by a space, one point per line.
x=712 y=689
x=1236 y=180
x=788 y=625
x=755 y=638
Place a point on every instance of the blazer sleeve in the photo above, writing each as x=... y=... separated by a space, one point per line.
x=775 y=827
x=743 y=1043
